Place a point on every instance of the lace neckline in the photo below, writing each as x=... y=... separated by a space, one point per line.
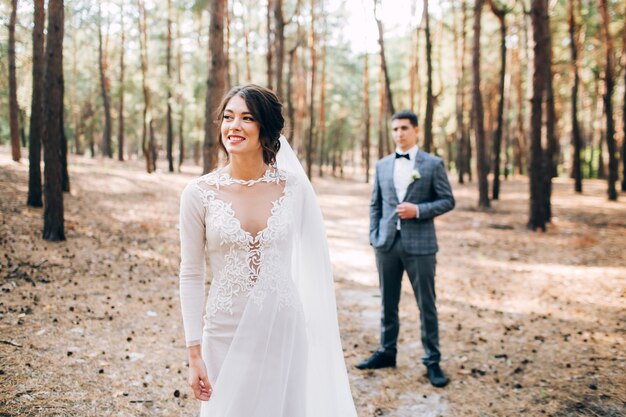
x=271 y=174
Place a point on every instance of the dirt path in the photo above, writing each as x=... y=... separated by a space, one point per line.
x=531 y=324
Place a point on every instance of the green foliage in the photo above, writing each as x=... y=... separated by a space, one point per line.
x=344 y=78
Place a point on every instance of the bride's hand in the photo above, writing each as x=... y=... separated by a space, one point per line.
x=198 y=379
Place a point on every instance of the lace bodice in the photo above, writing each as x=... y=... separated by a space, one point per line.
x=246 y=228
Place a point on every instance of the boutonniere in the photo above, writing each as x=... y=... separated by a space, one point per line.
x=415 y=174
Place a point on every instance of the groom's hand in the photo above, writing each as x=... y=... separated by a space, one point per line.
x=406 y=210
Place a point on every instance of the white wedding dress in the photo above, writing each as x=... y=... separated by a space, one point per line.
x=269 y=335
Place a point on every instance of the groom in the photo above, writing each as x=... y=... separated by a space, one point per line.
x=410 y=189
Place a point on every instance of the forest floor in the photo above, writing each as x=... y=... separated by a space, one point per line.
x=531 y=324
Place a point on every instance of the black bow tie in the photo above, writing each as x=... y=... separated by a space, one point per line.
x=403 y=155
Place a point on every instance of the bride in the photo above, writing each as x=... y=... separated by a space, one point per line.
x=268 y=344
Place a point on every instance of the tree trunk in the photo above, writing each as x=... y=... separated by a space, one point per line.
x=382 y=112
x=322 y=124
x=65 y=182
x=552 y=151
x=430 y=105
x=537 y=171
x=366 y=117
x=168 y=66
x=147 y=117
x=507 y=125
x=478 y=114
x=497 y=140
x=76 y=120
x=227 y=20
x=13 y=106
x=269 y=57
x=459 y=61
x=609 y=86
x=624 y=111
x=216 y=84
x=520 y=135
x=246 y=38
x=291 y=110
x=196 y=152
x=576 y=136
x=383 y=62
x=418 y=84
x=413 y=81
x=311 y=128
x=279 y=45
x=598 y=131
x=181 y=97
x=152 y=144
x=36 y=114
x=53 y=221
x=104 y=88
x=301 y=95
x=120 y=115
x=22 y=123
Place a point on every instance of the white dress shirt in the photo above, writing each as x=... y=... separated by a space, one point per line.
x=402 y=170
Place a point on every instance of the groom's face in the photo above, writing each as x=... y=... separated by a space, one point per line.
x=404 y=134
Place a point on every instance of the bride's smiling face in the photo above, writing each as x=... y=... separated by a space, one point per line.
x=240 y=131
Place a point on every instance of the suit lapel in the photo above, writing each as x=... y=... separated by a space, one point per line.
x=392 y=184
x=419 y=159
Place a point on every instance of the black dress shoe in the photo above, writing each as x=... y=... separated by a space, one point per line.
x=378 y=360
x=436 y=376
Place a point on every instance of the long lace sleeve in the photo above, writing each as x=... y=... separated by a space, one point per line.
x=191 y=280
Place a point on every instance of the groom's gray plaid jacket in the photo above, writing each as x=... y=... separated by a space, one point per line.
x=431 y=193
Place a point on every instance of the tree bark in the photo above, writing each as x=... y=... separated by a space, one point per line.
x=65 y=181
x=181 y=97
x=537 y=169
x=413 y=81
x=312 y=79
x=168 y=66
x=227 y=20
x=383 y=62
x=53 y=221
x=624 y=110
x=609 y=86
x=478 y=114
x=519 y=150
x=216 y=84
x=147 y=117
x=598 y=131
x=322 y=124
x=430 y=99
x=120 y=115
x=13 y=106
x=77 y=122
x=301 y=96
x=290 y=106
x=279 y=45
x=417 y=84
x=366 y=117
x=552 y=148
x=459 y=46
x=497 y=140
x=293 y=72
x=576 y=136
x=36 y=113
x=104 y=89
x=246 y=36
x=382 y=112
x=269 y=57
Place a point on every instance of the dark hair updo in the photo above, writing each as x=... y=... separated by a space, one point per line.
x=266 y=109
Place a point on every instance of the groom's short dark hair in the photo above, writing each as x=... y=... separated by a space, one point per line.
x=406 y=114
